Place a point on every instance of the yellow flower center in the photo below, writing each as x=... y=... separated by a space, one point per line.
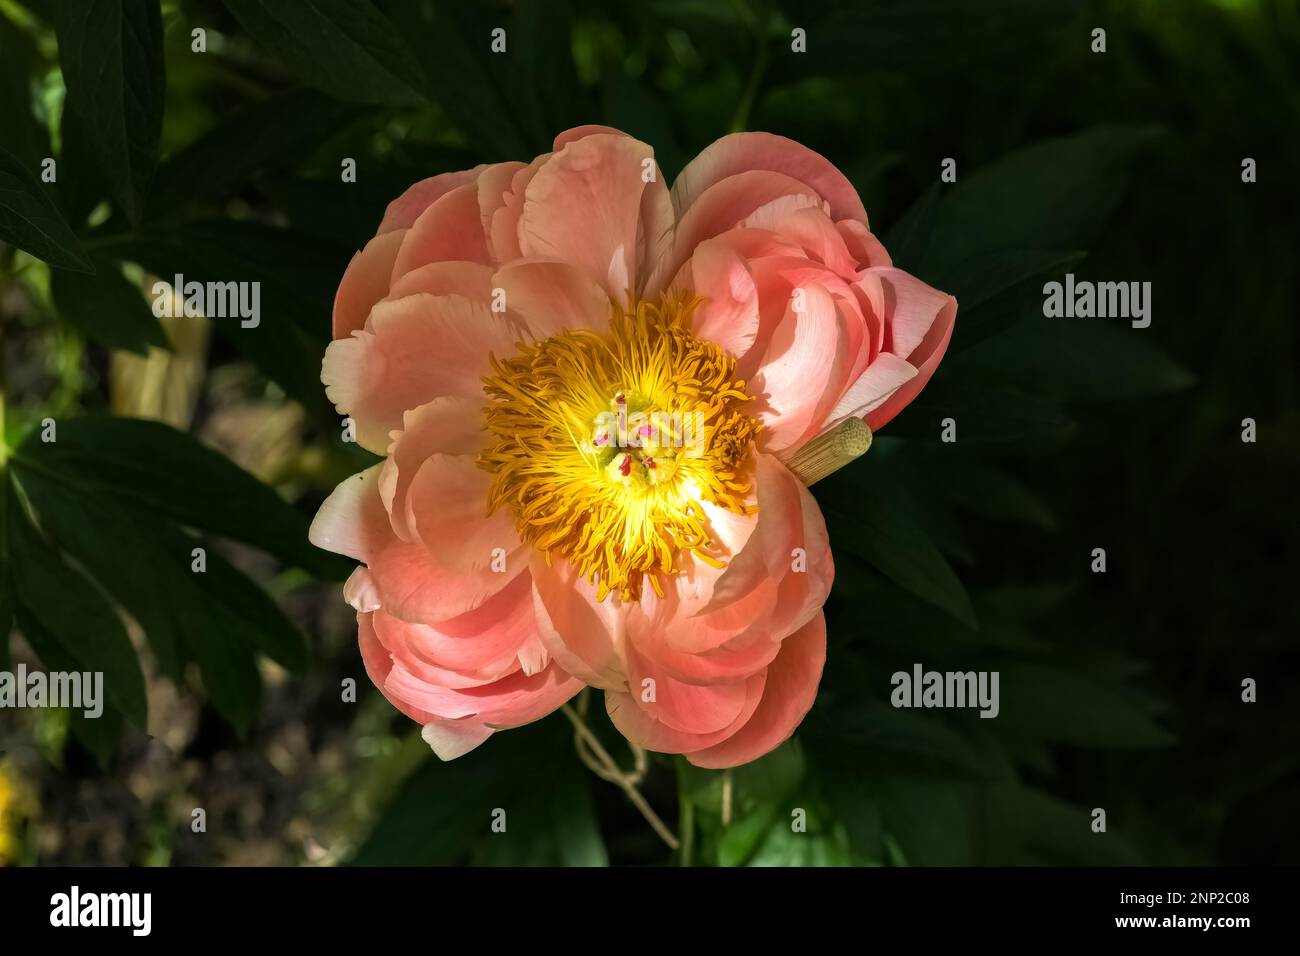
x=605 y=444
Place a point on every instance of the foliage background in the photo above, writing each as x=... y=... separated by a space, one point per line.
x=1119 y=691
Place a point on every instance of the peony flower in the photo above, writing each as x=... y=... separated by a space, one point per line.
x=589 y=393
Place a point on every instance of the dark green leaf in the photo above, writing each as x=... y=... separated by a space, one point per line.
x=632 y=108
x=980 y=278
x=297 y=276
x=26 y=138
x=509 y=104
x=111 y=54
x=347 y=48
x=877 y=521
x=80 y=624
x=99 y=735
x=1070 y=708
x=1052 y=195
x=1057 y=833
x=984 y=413
x=274 y=132
x=909 y=239
x=871 y=730
x=107 y=308
x=444 y=811
x=848 y=36
x=1081 y=360
x=166 y=472
x=252 y=615
x=31 y=221
x=217 y=617
x=933 y=820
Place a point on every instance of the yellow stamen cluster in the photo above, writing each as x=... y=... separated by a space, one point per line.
x=605 y=443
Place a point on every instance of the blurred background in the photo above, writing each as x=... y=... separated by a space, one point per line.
x=219 y=155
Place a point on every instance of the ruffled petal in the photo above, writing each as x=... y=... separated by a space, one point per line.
x=590 y=205
x=741 y=152
x=414 y=350
x=365 y=282
x=406 y=208
x=551 y=297
x=788 y=695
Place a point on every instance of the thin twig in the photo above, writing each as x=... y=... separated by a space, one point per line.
x=604 y=766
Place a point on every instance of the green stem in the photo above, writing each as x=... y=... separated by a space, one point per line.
x=687 y=828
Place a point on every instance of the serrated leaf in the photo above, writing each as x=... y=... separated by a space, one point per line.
x=111 y=54
x=30 y=220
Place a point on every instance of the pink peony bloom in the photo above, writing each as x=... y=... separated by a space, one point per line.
x=587 y=390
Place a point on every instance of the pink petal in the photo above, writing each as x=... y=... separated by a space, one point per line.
x=495 y=186
x=473 y=280
x=365 y=282
x=406 y=208
x=455 y=738
x=503 y=227
x=802 y=361
x=449 y=425
x=482 y=643
x=416 y=587
x=352 y=520
x=588 y=205
x=410 y=583
x=451 y=228
x=512 y=701
x=550 y=297
x=729 y=315
x=583 y=634
x=726 y=205
x=360 y=590
x=447 y=507
x=415 y=349
x=639 y=725
x=740 y=152
x=883 y=377
x=582 y=132
x=690 y=708
x=379 y=664
x=787 y=697
x=928 y=353
x=912 y=308
x=863 y=244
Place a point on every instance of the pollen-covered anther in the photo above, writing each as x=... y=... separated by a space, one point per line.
x=606 y=444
